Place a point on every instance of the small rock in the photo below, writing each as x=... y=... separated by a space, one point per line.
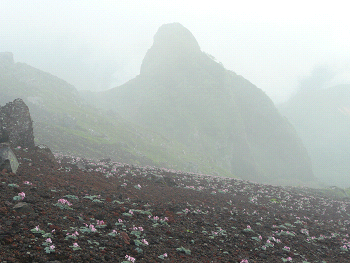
x=262 y=255
x=23 y=207
x=126 y=238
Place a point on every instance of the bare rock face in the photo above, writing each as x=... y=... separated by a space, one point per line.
x=16 y=126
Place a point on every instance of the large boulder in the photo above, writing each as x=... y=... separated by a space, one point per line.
x=8 y=159
x=16 y=126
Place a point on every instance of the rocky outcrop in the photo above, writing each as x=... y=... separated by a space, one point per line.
x=16 y=125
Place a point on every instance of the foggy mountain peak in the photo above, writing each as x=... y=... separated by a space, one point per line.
x=188 y=97
x=173 y=45
x=175 y=35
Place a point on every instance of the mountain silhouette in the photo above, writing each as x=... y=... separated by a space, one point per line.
x=185 y=95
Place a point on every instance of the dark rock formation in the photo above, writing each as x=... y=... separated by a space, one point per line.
x=16 y=125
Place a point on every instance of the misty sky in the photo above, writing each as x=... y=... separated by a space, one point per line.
x=100 y=44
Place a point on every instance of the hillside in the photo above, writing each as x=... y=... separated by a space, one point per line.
x=185 y=95
x=112 y=212
x=322 y=119
x=66 y=124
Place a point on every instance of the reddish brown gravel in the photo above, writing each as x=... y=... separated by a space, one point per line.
x=149 y=214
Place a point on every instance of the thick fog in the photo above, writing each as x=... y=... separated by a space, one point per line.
x=100 y=44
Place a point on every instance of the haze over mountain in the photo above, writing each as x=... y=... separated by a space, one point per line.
x=97 y=45
x=321 y=117
x=185 y=95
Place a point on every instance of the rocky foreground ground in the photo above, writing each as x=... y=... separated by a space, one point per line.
x=74 y=210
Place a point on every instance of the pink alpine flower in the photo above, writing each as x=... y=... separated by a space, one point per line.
x=130 y=258
x=22 y=195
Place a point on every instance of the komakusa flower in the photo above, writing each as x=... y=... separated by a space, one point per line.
x=130 y=258
x=100 y=222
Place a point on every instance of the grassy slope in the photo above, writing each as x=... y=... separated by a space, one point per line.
x=64 y=123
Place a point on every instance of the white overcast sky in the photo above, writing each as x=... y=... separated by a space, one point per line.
x=99 y=44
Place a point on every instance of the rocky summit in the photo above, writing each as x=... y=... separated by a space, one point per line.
x=185 y=95
x=171 y=52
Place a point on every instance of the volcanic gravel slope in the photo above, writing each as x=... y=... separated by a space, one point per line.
x=111 y=212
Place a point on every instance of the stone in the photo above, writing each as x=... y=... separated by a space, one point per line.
x=126 y=238
x=8 y=159
x=16 y=126
x=23 y=207
x=44 y=152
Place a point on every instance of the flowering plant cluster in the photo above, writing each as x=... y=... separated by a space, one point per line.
x=163 y=256
x=63 y=204
x=20 y=196
x=73 y=235
x=100 y=224
x=248 y=229
x=49 y=247
x=88 y=228
x=75 y=246
x=138 y=187
x=37 y=230
x=156 y=219
x=129 y=258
